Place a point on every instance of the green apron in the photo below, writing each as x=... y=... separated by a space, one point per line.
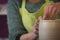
x=29 y=18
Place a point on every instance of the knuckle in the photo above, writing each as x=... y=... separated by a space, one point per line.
x=51 y=6
x=55 y=8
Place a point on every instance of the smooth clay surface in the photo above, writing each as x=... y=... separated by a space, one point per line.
x=49 y=30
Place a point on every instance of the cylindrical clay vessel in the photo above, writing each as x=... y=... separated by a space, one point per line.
x=49 y=30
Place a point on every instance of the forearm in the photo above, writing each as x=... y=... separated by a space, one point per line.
x=28 y=36
x=25 y=37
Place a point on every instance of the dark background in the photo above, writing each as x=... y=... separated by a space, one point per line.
x=3 y=26
x=3 y=1
x=3 y=22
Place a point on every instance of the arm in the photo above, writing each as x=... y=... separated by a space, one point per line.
x=52 y=11
x=15 y=26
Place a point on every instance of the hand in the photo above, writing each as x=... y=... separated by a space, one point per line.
x=32 y=35
x=50 y=12
x=36 y=27
x=28 y=36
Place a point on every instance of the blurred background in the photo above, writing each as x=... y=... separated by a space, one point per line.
x=3 y=20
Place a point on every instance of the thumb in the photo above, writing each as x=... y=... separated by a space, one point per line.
x=40 y=18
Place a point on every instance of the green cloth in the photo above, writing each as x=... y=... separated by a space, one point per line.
x=15 y=25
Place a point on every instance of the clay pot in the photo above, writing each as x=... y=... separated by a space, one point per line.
x=49 y=30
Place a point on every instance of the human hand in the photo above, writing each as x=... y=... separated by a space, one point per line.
x=33 y=34
x=36 y=27
x=28 y=36
x=50 y=12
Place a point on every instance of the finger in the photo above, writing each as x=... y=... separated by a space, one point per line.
x=38 y=20
x=36 y=25
x=36 y=30
x=50 y=8
x=35 y=22
x=46 y=11
x=57 y=12
x=54 y=12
